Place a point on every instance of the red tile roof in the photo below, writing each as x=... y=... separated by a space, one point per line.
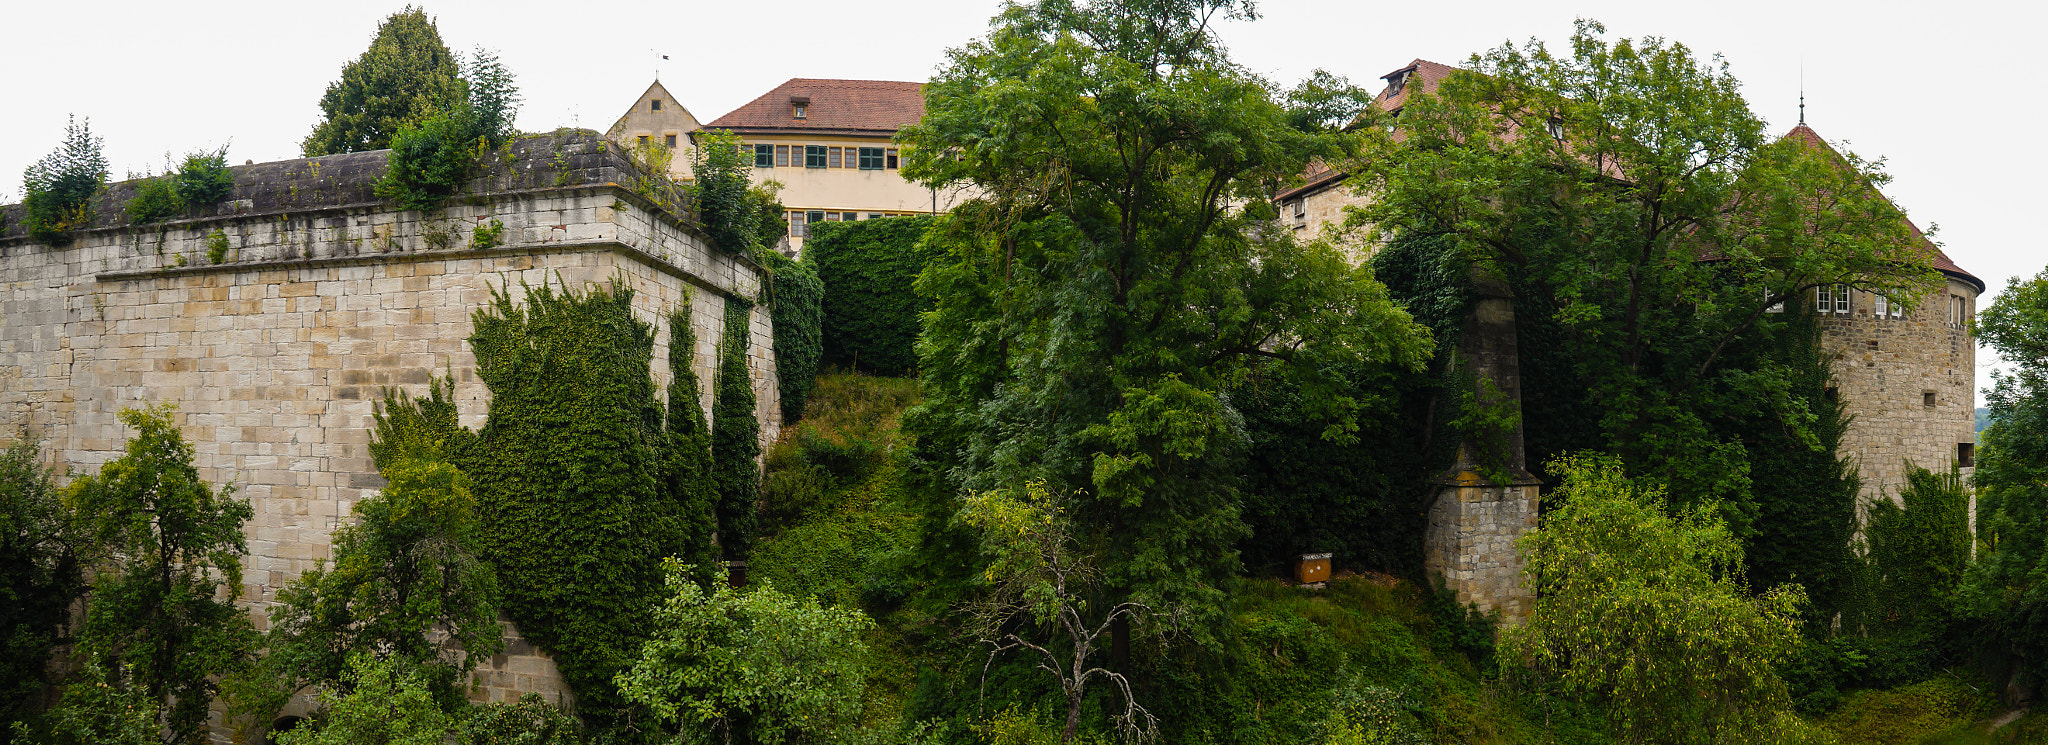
x=860 y=107
x=1422 y=75
x=1942 y=262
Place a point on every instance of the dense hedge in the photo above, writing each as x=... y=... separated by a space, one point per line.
x=870 y=309
x=795 y=297
x=570 y=472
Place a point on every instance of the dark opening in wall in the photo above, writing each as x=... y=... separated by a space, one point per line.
x=1832 y=394
x=282 y=725
x=1966 y=454
x=1927 y=398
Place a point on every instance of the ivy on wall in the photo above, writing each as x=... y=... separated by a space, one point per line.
x=578 y=478
x=796 y=300
x=735 y=434
x=870 y=309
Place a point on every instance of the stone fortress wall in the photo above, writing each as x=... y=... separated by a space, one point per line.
x=276 y=356
x=1909 y=381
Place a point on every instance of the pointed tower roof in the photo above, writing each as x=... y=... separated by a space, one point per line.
x=1942 y=262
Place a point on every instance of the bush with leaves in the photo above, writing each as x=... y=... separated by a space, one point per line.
x=529 y=721
x=377 y=701
x=98 y=709
x=60 y=187
x=161 y=617
x=156 y=199
x=408 y=567
x=758 y=665
x=432 y=160
x=39 y=577
x=204 y=179
x=870 y=309
x=739 y=216
x=1645 y=613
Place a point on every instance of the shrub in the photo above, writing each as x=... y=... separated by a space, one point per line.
x=61 y=186
x=870 y=309
x=217 y=247
x=431 y=161
x=204 y=179
x=156 y=199
x=735 y=433
x=488 y=236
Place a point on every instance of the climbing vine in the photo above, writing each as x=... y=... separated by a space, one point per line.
x=798 y=295
x=735 y=434
x=576 y=476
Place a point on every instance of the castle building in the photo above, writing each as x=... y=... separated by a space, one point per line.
x=828 y=142
x=1907 y=378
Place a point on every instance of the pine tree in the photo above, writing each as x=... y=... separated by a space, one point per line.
x=405 y=76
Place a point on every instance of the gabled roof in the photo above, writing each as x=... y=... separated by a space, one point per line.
x=1941 y=262
x=860 y=107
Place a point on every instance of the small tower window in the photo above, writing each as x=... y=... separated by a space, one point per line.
x=669 y=140
x=1966 y=454
x=1927 y=399
x=654 y=105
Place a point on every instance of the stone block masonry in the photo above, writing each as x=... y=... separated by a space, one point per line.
x=325 y=297
x=1908 y=379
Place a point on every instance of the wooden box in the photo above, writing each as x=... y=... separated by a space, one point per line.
x=1312 y=568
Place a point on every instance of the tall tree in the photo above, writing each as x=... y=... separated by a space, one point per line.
x=39 y=577
x=161 y=615
x=2008 y=585
x=1121 y=267
x=405 y=76
x=60 y=187
x=1641 y=208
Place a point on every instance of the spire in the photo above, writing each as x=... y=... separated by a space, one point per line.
x=1802 y=93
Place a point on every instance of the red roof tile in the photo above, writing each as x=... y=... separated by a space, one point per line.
x=1422 y=75
x=866 y=107
x=1942 y=262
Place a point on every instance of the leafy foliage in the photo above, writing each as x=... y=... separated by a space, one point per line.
x=1041 y=578
x=529 y=721
x=739 y=217
x=204 y=179
x=162 y=618
x=431 y=161
x=735 y=433
x=1643 y=612
x=2008 y=586
x=406 y=76
x=156 y=199
x=1805 y=489
x=754 y=666
x=39 y=576
x=409 y=566
x=1641 y=213
x=870 y=310
x=385 y=702
x=1089 y=312
x=60 y=187
x=97 y=709
x=796 y=309
x=574 y=471
x=1918 y=551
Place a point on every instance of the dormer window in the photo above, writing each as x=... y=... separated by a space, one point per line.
x=799 y=107
x=1397 y=81
x=654 y=105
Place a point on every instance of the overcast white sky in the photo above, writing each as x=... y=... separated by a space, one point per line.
x=1928 y=86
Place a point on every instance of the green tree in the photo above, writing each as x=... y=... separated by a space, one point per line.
x=39 y=577
x=1112 y=280
x=735 y=214
x=406 y=76
x=161 y=616
x=1645 y=613
x=871 y=305
x=2008 y=585
x=758 y=666
x=1642 y=211
x=204 y=179
x=409 y=566
x=1042 y=578
x=60 y=187
x=382 y=701
x=432 y=159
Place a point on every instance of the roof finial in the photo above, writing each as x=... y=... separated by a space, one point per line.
x=1802 y=92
